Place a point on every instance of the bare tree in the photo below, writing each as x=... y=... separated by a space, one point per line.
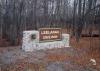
x=19 y=15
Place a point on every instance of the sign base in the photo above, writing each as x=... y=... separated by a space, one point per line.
x=30 y=44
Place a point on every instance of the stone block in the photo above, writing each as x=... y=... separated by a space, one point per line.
x=31 y=43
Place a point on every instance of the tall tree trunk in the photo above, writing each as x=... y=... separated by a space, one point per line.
x=1 y=27
x=74 y=18
x=45 y=13
x=35 y=17
x=79 y=23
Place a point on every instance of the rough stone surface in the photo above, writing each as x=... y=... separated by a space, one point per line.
x=31 y=45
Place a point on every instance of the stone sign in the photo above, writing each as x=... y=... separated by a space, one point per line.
x=32 y=39
x=49 y=34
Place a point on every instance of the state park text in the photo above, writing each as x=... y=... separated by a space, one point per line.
x=51 y=34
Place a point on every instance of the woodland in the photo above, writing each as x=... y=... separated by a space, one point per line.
x=80 y=19
x=17 y=16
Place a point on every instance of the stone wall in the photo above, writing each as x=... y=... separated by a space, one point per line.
x=30 y=44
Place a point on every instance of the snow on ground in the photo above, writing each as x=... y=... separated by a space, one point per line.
x=71 y=59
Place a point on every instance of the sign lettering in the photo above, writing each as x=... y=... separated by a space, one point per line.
x=49 y=34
